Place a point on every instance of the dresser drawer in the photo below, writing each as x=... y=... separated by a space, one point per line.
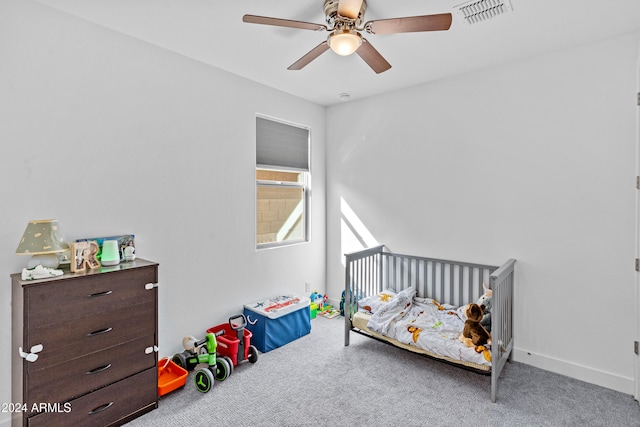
x=90 y=372
x=106 y=406
x=68 y=299
x=74 y=338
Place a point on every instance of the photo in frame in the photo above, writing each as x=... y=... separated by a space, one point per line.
x=126 y=246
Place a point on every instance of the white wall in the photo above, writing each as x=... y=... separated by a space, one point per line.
x=534 y=161
x=111 y=135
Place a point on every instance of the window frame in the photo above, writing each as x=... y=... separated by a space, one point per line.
x=304 y=185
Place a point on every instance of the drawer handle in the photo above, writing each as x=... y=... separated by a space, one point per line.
x=100 y=294
x=100 y=332
x=98 y=370
x=101 y=408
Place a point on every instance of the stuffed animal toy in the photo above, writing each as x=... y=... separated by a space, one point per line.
x=486 y=353
x=486 y=300
x=474 y=334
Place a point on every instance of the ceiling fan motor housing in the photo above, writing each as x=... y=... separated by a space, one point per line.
x=331 y=13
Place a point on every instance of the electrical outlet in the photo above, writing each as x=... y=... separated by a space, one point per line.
x=307 y=287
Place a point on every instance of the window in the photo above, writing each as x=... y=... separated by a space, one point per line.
x=282 y=183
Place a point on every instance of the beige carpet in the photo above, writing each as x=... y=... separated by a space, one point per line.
x=317 y=381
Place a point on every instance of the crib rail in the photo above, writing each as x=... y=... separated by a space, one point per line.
x=501 y=321
x=370 y=271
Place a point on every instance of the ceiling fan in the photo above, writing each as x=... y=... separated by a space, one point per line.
x=345 y=22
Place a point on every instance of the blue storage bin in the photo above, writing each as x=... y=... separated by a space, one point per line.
x=277 y=321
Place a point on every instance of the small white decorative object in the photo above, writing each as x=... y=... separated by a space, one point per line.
x=129 y=252
x=40 y=272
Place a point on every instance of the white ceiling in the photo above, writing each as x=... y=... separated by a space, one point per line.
x=212 y=31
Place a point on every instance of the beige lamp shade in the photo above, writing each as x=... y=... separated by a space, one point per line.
x=42 y=241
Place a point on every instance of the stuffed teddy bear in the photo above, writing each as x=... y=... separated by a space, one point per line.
x=474 y=334
x=486 y=300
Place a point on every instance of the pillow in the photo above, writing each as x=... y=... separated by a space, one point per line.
x=373 y=303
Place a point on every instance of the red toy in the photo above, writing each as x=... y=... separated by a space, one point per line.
x=234 y=341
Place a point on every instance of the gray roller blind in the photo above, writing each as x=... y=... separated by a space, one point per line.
x=281 y=145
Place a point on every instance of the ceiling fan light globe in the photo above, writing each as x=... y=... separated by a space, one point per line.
x=344 y=42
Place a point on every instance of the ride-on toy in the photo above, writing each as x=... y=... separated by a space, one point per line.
x=234 y=341
x=203 y=351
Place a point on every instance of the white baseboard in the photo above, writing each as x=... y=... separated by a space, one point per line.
x=573 y=370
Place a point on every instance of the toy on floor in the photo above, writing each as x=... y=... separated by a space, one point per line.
x=235 y=341
x=203 y=351
x=318 y=299
x=329 y=312
x=354 y=298
x=170 y=376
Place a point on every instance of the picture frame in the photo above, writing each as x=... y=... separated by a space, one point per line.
x=84 y=256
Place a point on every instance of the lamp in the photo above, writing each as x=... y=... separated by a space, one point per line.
x=344 y=42
x=110 y=253
x=41 y=240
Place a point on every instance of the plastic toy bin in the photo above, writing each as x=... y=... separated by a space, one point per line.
x=228 y=342
x=171 y=377
x=277 y=321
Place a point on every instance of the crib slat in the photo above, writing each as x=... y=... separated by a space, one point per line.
x=452 y=283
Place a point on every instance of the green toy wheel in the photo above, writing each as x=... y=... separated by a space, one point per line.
x=253 y=354
x=222 y=369
x=203 y=379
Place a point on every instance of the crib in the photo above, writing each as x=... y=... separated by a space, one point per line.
x=376 y=269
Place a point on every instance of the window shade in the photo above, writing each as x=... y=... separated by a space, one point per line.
x=281 y=145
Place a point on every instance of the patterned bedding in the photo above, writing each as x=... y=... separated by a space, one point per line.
x=422 y=323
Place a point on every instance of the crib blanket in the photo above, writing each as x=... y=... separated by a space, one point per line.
x=423 y=323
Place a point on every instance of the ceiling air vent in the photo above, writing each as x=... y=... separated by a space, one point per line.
x=475 y=11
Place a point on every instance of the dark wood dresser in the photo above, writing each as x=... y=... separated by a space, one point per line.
x=89 y=346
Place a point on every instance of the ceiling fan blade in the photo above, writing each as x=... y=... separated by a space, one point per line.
x=310 y=56
x=372 y=57
x=410 y=24
x=349 y=8
x=253 y=19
